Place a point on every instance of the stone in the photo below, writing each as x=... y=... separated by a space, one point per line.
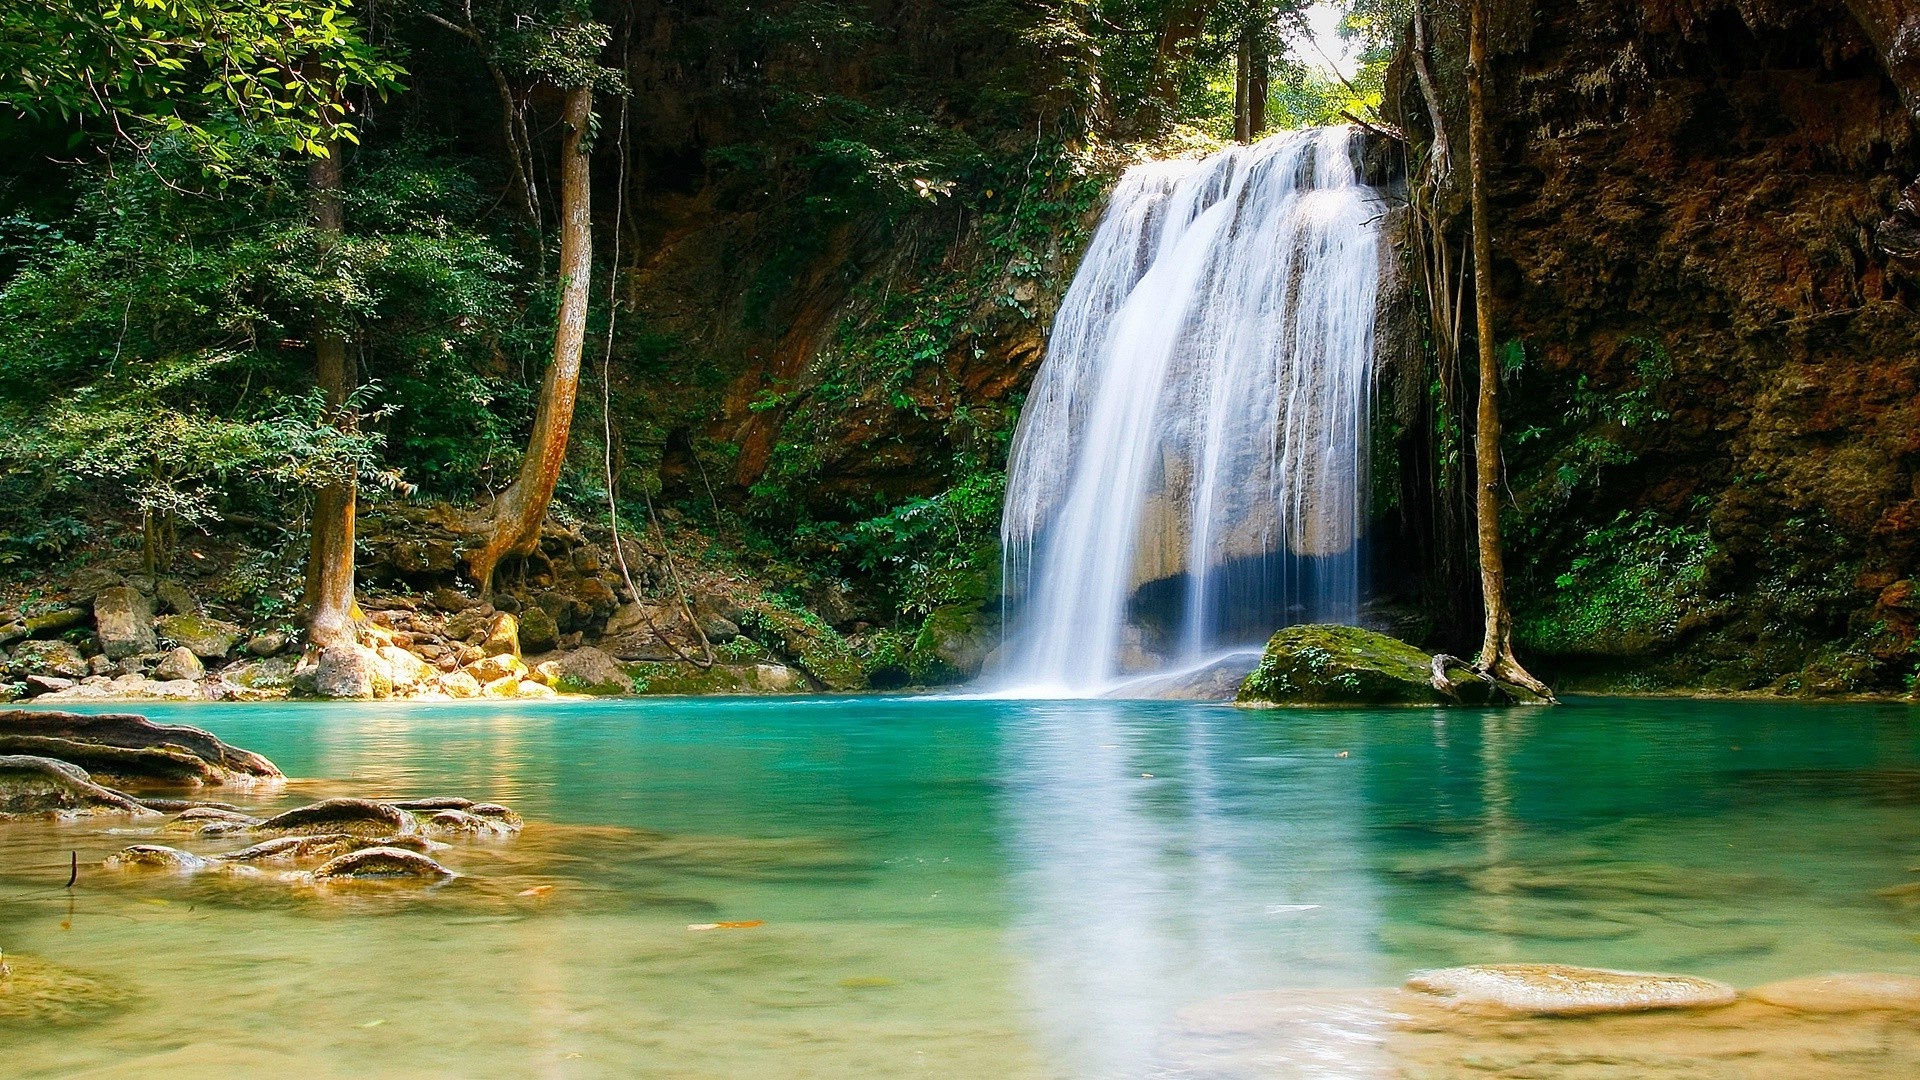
x=1320 y=664
x=718 y=629
x=381 y=862
x=133 y=732
x=469 y=623
x=358 y=817
x=489 y=669
x=1559 y=990
x=506 y=687
x=530 y=689
x=181 y=663
x=503 y=636
x=590 y=671
x=50 y=658
x=56 y=622
x=155 y=857
x=272 y=673
x=1842 y=993
x=123 y=619
x=41 y=786
x=271 y=643
x=98 y=664
x=463 y=823
x=196 y=818
x=210 y=639
x=449 y=600
x=36 y=995
x=952 y=645
x=351 y=671
x=1217 y=680
x=120 y=766
x=93 y=581
x=538 y=631
x=47 y=684
x=12 y=630
x=174 y=597
x=459 y=684
x=406 y=669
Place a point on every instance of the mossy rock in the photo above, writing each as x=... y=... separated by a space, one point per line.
x=675 y=678
x=36 y=993
x=808 y=642
x=952 y=646
x=1321 y=664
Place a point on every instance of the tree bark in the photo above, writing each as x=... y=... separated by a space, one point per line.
x=513 y=523
x=1496 y=650
x=1242 y=90
x=1442 y=154
x=1258 y=73
x=332 y=614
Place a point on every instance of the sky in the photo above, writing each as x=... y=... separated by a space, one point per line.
x=1323 y=22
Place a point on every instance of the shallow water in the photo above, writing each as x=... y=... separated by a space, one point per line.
x=966 y=888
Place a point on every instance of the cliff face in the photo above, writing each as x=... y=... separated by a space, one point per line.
x=1714 y=411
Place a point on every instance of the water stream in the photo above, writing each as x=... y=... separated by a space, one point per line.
x=1189 y=472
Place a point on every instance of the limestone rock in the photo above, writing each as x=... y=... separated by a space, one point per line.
x=1344 y=665
x=590 y=671
x=49 y=658
x=56 y=622
x=1842 y=993
x=155 y=857
x=1558 y=990
x=493 y=668
x=273 y=673
x=47 y=684
x=38 y=786
x=351 y=671
x=952 y=645
x=459 y=684
x=175 y=598
x=406 y=669
x=118 y=765
x=538 y=632
x=530 y=689
x=381 y=862
x=123 y=619
x=503 y=636
x=209 y=639
x=181 y=663
x=505 y=687
x=358 y=817
x=271 y=643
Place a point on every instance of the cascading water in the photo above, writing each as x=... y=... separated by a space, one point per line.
x=1189 y=472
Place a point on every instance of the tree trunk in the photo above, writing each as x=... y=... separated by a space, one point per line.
x=1242 y=88
x=331 y=612
x=1496 y=650
x=1442 y=154
x=513 y=525
x=1185 y=21
x=1257 y=79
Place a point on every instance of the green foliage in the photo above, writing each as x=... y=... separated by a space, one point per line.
x=216 y=75
x=1627 y=585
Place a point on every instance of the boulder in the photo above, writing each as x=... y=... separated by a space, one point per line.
x=530 y=689
x=506 y=687
x=1871 y=992
x=952 y=645
x=718 y=628
x=271 y=643
x=273 y=673
x=351 y=671
x=489 y=669
x=503 y=636
x=181 y=663
x=1322 y=664
x=450 y=600
x=155 y=857
x=49 y=658
x=123 y=619
x=47 y=684
x=358 y=817
x=590 y=671
x=538 y=632
x=174 y=597
x=407 y=670
x=459 y=684
x=209 y=639
x=138 y=733
x=1217 y=680
x=39 y=786
x=381 y=862
x=98 y=664
x=1559 y=990
x=56 y=622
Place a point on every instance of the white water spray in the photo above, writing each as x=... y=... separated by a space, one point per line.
x=1189 y=472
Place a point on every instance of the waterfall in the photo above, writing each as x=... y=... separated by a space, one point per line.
x=1189 y=471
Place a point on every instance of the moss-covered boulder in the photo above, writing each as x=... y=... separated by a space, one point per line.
x=953 y=645
x=208 y=639
x=1345 y=665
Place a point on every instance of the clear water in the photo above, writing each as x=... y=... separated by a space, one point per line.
x=1190 y=468
x=969 y=888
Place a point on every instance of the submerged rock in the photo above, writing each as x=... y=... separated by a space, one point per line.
x=1843 y=993
x=134 y=732
x=1321 y=664
x=35 y=993
x=120 y=765
x=39 y=786
x=360 y=817
x=381 y=862
x=155 y=857
x=1559 y=990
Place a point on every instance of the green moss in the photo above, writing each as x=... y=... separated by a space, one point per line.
x=1345 y=665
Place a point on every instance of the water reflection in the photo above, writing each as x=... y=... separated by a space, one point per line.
x=1146 y=873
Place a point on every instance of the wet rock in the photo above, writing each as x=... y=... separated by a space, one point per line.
x=271 y=643
x=36 y=994
x=1558 y=990
x=210 y=821
x=120 y=766
x=155 y=857
x=381 y=862
x=49 y=658
x=209 y=639
x=503 y=636
x=590 y=671
x=294 y=849
x=1345 y=665
x=495 y=812
x=42 y=786
x=1219 y=680
x=952 y=645
x=436 y=802
x=461 y=822
x=350 y=671
x=137 y=732
x=123 y=619
x=1842 y=993
x=181 y=663
x=538 y=632
x=359 y=817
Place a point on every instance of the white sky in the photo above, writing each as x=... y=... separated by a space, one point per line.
x=1323 y=21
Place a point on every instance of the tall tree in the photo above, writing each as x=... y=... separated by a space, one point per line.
x=331 y=612
x=1496 y=649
